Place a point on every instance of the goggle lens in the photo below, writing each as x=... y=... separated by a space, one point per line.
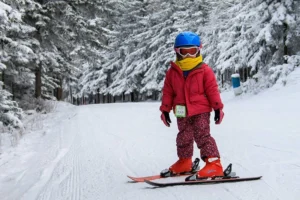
x=184 y=51
x=191 y=51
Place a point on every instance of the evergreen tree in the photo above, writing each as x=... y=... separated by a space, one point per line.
x=251 y=40
x=125 y=54
x=98 y=40
x=11 y=48
x=10 y=113
x=60 y=45
x=218 y=16
x=18 y=47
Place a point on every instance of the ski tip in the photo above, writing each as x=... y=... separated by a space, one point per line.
x=131 y=177
x=135 y=179
x=256 y=177
x=142 y=179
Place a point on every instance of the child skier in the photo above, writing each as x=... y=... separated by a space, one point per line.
x=191 y=91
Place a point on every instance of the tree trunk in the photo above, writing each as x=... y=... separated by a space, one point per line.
x=98 y=95
x=71 y=95
x=222 y=80
x=2 y=79
x=285 y=50
x=123 y=96
x=13 y=91
x=59 y=94
x=38 y=82
x=59 y=90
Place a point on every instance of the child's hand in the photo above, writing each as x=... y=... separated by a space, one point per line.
x=165 y=117
x=219 y=114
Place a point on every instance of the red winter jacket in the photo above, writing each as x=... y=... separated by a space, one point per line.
x=198 y=92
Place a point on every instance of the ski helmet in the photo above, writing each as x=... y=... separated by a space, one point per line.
x=187 y=38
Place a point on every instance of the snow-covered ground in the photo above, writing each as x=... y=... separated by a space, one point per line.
x=86 y=152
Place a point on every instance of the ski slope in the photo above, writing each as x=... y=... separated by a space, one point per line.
x=86 y=152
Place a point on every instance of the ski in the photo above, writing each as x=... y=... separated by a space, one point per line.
x=166 y=173
x=223 y=179
x=154 y=177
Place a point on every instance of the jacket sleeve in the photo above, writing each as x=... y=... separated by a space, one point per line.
x=167 y=94
x=211 y=89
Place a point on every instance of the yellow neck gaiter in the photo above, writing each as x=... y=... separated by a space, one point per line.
x=188 y=63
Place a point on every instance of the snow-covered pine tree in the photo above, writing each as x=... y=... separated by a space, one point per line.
x=251 y=40
x=285 y=20
x=217 y=17
x=57 y=28
x=101 y=20
x=125 y=55
x=18 y=46
x=10 y=113
x=154 y=50
x=294 y=31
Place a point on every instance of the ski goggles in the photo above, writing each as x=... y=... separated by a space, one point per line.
x=185 y=51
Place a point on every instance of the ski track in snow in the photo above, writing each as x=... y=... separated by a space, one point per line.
x=86 y=152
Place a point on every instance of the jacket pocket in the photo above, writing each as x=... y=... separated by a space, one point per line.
x=199 y=99
x=196 y=84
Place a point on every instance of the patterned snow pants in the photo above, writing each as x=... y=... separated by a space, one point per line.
x=195 y=128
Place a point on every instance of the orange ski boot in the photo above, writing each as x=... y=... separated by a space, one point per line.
x=181 y=166
x=212 y=168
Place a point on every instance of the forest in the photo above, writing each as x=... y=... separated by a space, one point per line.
x=105 y=51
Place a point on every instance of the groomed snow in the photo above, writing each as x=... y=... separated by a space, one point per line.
x=85 y=152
